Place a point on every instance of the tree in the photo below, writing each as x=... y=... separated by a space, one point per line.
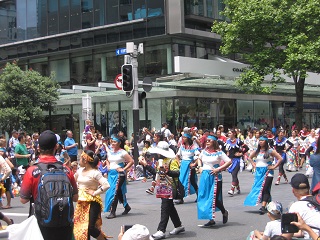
x=24 y=95
x=275 y=37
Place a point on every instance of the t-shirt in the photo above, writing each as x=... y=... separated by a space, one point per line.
x=22 y=150
x=273 y=228
x=29 y=187
x=92 y=146
x=71 y=151
x=308 y=213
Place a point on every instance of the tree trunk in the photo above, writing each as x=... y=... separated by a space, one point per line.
x=299 y=86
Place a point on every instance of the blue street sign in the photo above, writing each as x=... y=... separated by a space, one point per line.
x=121 y=51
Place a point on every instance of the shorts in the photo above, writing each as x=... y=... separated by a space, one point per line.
x=7 y=184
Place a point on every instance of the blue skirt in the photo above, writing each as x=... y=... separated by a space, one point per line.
x=207 y=193
x=255 y=195
x=113 y=179
x=235 y=162
x=184 y=177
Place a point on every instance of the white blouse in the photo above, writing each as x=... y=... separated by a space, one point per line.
x=115 y=158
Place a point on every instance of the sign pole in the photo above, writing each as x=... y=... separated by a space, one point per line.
x=135 y=104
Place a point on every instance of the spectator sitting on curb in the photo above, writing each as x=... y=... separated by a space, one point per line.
x=273 y=227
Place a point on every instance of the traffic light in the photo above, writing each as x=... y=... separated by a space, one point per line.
x=142 y=95
x=127 y=77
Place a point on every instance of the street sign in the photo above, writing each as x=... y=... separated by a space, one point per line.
x=121 y=51
x=147 y=84
x=86 y=107
x=118 y=81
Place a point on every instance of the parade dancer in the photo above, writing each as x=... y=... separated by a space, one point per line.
x=279 y=145
x=312 y=138
x=188 y=153
x=235 y=149
x=264 y=172
x=310 y=151
x=116 y=159
x=210 y=185
x=292 y=154
x=252 y=142
x=304 y=144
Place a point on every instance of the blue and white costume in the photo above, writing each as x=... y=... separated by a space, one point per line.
x=255 y=196
x=188 y=155
x=116 y=160
x=208 y=190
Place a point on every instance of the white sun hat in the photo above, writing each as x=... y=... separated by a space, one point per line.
x=163 y=149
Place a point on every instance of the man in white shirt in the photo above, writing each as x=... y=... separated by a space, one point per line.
x=165 y=131
x=308 y=212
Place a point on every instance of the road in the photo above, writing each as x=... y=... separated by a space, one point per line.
x=146 y=211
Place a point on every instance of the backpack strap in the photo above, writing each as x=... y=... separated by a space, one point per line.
x=45 y=166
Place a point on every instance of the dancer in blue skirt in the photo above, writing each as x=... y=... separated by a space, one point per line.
x=264 y=172
x=187 y=153
x=212 y=161
x=116 y=159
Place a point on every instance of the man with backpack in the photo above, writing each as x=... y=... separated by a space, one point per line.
x=306 y=206
x=52 y=188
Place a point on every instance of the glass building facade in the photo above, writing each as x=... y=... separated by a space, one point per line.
x=28 y=19
x=77 y=39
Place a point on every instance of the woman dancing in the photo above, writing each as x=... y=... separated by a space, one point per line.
x=187 y=153
x=264 y=171
x=91 y=183
x=210 y=185
x=235 y=149
x=118 y=162
x=279 y=145
x=293 y=153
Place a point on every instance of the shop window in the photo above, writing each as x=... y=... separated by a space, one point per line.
x=244 y=114
x=261 y=114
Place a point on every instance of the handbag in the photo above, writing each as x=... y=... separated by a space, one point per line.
x=163 y=190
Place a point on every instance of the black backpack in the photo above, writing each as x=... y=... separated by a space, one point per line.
x=53 y=205
x=314 y=200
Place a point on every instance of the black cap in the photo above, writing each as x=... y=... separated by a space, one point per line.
x=47 y=140
x=300 y=181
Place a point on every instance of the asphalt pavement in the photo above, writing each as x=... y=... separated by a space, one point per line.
x=146 y=211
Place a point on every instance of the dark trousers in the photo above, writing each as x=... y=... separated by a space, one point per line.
x=118 y=196
x=150 y=170
x=193 y=180
x=219 y=201
x=95 y=211
x=266 y=195
x=168 y=210
x=54 y=233
x=281 y=170
x=234 y=174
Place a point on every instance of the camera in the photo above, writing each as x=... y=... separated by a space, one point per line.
x=286 y=219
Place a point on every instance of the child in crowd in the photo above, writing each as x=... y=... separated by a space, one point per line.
x=274 y=226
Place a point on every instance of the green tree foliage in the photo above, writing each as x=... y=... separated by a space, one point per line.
x=273 y=36
x=24 y=95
